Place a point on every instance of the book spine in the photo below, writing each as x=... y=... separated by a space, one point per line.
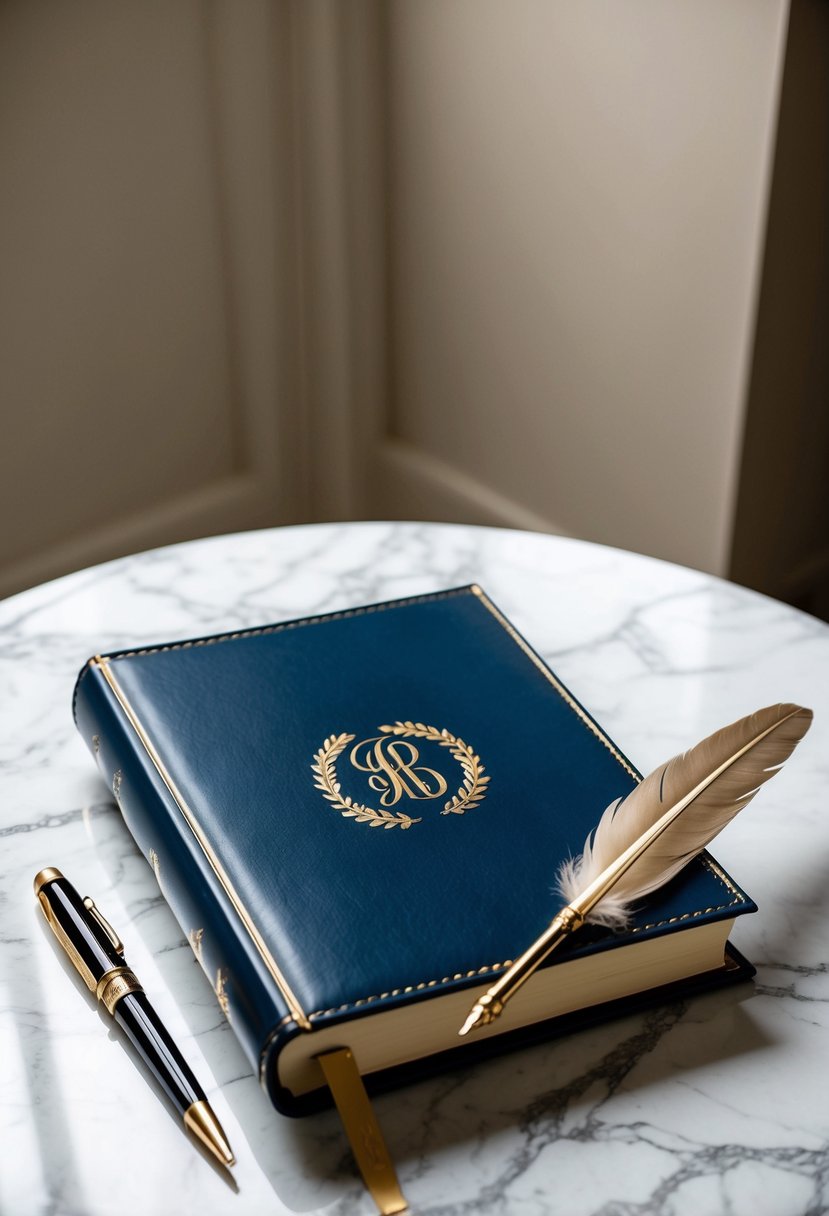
x=246 y=994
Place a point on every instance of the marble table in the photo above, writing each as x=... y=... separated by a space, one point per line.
x=718 y=1105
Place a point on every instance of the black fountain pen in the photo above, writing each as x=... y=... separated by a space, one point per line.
x=97 y=954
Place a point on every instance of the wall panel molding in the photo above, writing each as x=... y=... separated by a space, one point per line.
x=414 y=484
x=325 y=259
x=181 y=413
x=338 y=76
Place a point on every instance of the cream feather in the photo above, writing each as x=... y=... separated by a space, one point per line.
x=696 y=795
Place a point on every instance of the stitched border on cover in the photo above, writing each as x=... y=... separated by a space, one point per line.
x=543 y=670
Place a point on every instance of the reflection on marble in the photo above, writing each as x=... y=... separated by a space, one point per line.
x=714 y=1106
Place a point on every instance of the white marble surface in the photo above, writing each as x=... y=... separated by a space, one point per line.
x=719 y=1106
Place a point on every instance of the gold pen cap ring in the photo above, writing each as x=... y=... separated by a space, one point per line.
x=115 y=984
x=44 y=877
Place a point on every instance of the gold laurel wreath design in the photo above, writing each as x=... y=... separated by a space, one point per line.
x=326 y=780
x=475 y=781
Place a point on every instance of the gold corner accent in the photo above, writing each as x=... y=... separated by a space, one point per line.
x=117 y=782
x=362 y=1129
x=296 y=1010
x=195 y=938
x=220 y=988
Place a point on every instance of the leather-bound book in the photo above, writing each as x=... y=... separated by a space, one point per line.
x=357 y=820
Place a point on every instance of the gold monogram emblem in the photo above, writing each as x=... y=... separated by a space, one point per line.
x=396 y=771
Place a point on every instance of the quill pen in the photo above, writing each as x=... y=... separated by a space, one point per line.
x=644 y=839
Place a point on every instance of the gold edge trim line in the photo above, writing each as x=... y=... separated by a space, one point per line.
x=426 y=597
x=294 y=1006
x=559 y=687
x=705 y=859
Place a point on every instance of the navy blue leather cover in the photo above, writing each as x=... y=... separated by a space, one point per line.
x=361 y=917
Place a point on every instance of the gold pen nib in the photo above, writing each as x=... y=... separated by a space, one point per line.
x=472 y=1021
x=484 y=1011
x=200 y=1120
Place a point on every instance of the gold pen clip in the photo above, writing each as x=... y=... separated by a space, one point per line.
x=89 y=904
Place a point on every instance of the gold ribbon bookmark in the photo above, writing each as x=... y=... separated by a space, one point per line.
x=363 y=1130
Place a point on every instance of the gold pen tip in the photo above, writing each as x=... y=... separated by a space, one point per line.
x=475 y=1015
x=485 y=1010
x=201 y=1122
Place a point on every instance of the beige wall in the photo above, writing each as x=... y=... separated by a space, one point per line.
x=463 y=259
x=148 y=277
x=577 y=202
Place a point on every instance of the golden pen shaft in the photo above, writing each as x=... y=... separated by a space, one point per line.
x=516 y=976
x=491 y=1005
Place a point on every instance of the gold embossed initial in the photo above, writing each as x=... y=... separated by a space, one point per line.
x=394 y=770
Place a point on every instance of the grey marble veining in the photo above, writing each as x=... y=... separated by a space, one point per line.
x=717 y=1105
